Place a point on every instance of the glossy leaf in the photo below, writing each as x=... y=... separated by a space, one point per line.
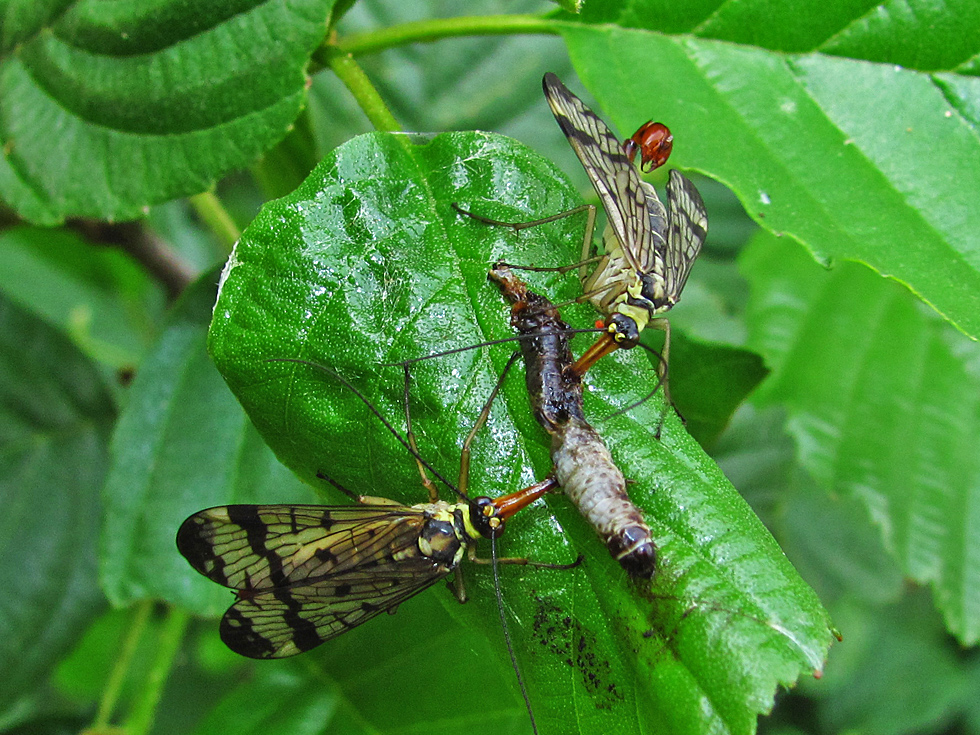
x=919 y=34
x=883 y=403
x=367 y=264
x=115 y=106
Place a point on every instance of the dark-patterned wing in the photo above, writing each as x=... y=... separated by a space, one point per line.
x=687 y=227
x=261 y=547
x=613 y=175
x=291 y=620
x=306 y=573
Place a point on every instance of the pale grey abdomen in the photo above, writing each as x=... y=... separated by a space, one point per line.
x=586 y=471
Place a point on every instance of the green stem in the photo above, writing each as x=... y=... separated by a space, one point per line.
x=110 y=695
x=353 y=76
x=144 y=709
x=210 y=209
x=425 y=31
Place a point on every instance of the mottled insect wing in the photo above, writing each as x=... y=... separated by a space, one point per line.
x=285 y=622
x=687 y=227
x=261 y=547
x=305 y=573
x=613 y=175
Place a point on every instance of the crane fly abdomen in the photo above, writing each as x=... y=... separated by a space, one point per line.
x=586 y=471
x=555 y=391
x=583 y=465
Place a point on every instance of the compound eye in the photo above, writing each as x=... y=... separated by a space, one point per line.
x=483 y=516
x=624 y=330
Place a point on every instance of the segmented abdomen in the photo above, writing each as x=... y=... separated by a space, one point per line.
x=583 y=465
x=585 y=469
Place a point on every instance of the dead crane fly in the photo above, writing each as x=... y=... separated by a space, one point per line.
x=582 y=463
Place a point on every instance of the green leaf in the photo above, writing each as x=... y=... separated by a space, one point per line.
x=276 y=700
x=93 y=294
x=708 y=382
x=122 y=105
x=918 y=34
x=367 y=264
x=83 y=674
x=857 y=160
x=24 y=18
x=55 y=415
x=758 y=455
x=181 y=444
x=883 y=403
x=285 y=167
x=884 y=645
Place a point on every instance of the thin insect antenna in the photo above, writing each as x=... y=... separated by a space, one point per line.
x=381 y=418
x=648 y=396
x=507 y=639
x=515 y=338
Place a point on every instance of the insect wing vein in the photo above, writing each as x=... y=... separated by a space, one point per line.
x=264 y=547
x=612 y=173
x=687 y=230
x=288 y=621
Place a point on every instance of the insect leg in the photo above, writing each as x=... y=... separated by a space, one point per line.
x=410 y=436
x=394 y=432
x=518 y=226
x=362 y=499
x=457 y=585
x=612 y=290
x=663 y=370
x=464 y=458
x=523 y=560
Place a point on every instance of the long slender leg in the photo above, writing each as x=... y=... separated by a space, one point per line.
x=518 y=226
x=663 y=371
x=528 y=562
x=586 y=256
x=410 y=436
x=586 y=296
x=464 y=458
x=362 y=499
x=457 y=585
